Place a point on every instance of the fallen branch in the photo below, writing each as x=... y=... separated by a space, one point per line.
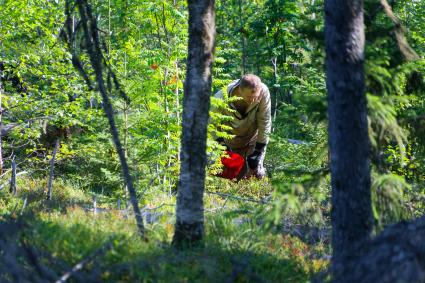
x=261 y=201
x=400 y=32
x=10 y=180
x=241 y=211
x=34 y=259
x=157 y=207
x=6 y=129
x=102 y=250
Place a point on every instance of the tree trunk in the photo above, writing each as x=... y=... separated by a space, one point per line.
x=275 y=91
x=1 y=115
x=1 y=125
x=177 y=102
x=243 y=39
x=91 y=34
x=396 y=255
x=52 y=167
x=13 y=178
x=348 y=130
x=189 y=227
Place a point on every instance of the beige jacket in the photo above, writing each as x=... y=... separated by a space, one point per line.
x=255 y=125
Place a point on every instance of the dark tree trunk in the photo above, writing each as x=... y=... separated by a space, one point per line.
x=1 y=119
x=189 y=227
x=396 y=255
x=91 y=34
x=348 y=130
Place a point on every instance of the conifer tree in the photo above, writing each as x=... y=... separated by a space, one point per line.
x=348 y=129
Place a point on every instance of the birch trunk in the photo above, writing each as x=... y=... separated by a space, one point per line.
x=189 y=227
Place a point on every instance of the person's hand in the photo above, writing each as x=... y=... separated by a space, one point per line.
x=254 y=158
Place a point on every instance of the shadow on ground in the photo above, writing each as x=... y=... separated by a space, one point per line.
x=43 y=248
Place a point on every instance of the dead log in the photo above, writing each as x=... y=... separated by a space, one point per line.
x=396 y=255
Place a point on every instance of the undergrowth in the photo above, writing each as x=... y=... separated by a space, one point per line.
x=236 y=249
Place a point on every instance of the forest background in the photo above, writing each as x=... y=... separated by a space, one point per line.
x=51 y=113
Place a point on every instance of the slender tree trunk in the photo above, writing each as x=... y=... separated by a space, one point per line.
x=13 y=178
x=348 y=131
x=126 y=109
x=1 y=112
x=95 y=54
x=1 y=124
x=52 y=167
x=189 y=227
x=177 y=102
x=275 y=90
x=243 y=39
x=257 y=58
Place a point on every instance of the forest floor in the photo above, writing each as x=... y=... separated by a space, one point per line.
x=240 y=245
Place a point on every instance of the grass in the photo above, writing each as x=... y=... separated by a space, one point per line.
x=242 y=252
x=234 y=251
x=34 y=192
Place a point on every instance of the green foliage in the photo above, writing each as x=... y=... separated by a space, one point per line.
x=302 y=201
x=232 y=248
x=44 y=98
x=31 y=196
x=390 y=199
x=74 y=237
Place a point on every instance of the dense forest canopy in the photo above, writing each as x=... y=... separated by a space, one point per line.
x=64 y=198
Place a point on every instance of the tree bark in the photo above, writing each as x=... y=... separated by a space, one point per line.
x=1 y=120
x=94 y=51
x=243 y=39
x=1 y=110
x=52 y=167
x=189 y=227
x=177 y=102
x=13 y=178
x=396 y=255
x=275 y=90
x=348 y=130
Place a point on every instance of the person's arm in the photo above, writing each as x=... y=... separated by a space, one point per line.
x=264 y=119
x=264 y=124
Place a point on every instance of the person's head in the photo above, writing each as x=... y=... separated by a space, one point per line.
x=250 y=88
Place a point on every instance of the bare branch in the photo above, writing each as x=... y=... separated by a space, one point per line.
x=99 y=252
x=91 y=35
x=261 y=201
x=10 y=180
x=400 y=31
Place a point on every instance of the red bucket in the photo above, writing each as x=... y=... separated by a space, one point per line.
x=233 y=165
